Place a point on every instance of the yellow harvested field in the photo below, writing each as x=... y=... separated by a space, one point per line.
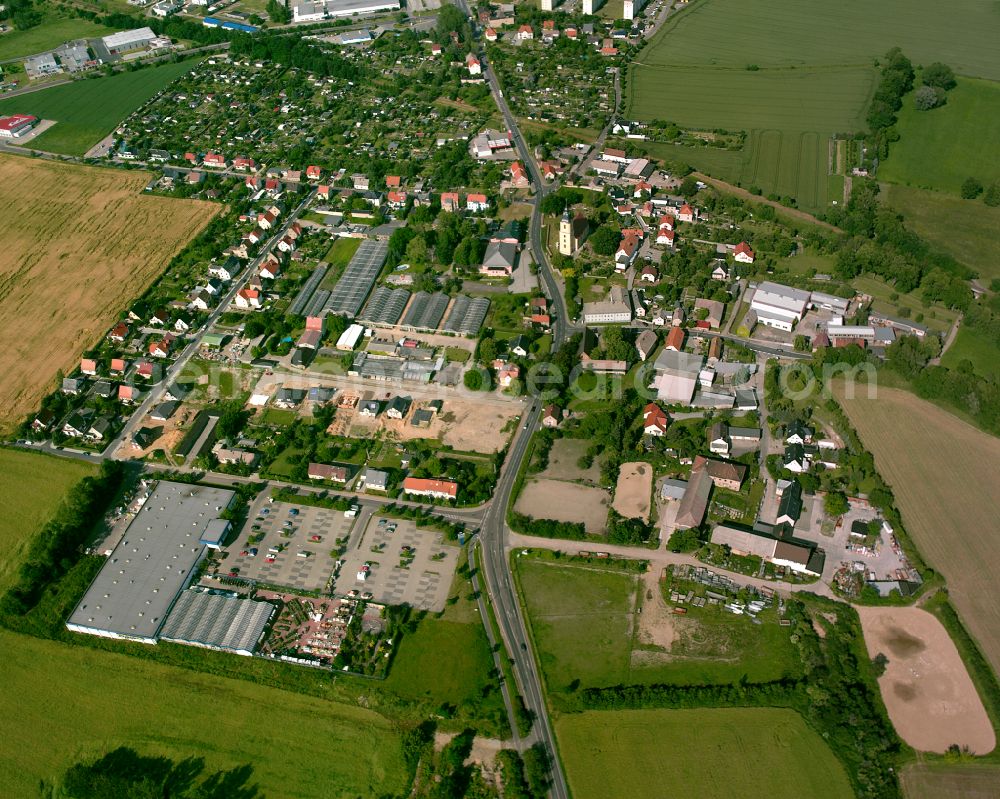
x=79 y=244
x=944 y=473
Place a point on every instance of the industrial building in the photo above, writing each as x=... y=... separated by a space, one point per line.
x=224 y=622
x=778 y=306
x=18 y=125
x=154 y=562
x=318 y=10
x=127 y=41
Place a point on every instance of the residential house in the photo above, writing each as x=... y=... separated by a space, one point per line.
x=88 y=366
x=507 y=374
x=289 y=397
x=718 y=439
x=450 y=202
x=628 y=249
x=743 y=254
x=790 y=504
x=798 y=433
x=398 y=407
x=477 y=203
x=795 y=459
x=645 y=343
x=375 y=480
x=435 y=489
x=724 y=474
x=550 y=416
x=325 y=471
x=713 y=309
x=655 y=420
x=130 y=395
x=694 y=503
x=675 y=339
x=520 y=346
x=369 y=408
x=119 y=332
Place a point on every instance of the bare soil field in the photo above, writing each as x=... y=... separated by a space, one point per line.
x=949 y=500
x=79 y=244
x=965 y=781
x=565 y=502
x=926 y=688
x=632 y=494
x=563 y=456
x=657 y=622
x=478 y=427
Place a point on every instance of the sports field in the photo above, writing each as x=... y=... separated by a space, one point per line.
x=70 y=233
x=66 y=703
x=792 y=74
x=88 y=110
x=939 y=149
x=948 y=499
x=963 y=229
x=35 y=484
x=587 y=627
x=50 y=34
x=752 y=753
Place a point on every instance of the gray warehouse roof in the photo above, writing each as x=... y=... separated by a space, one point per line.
x=133 y=592
x=216 y=621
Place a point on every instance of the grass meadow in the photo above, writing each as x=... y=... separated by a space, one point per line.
x=50 y=34
x=88 y=110
x=939 y=149
x=978 y=348
x=66 y=703
x=708 y=753
x=791 y=74
x=965 y=229
x=585 y=623
x=35 y=484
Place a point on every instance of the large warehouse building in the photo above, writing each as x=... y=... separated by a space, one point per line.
x=779 y=306
x=318 y=10
x=676 y=376
x=152 y=564
x=127 y=41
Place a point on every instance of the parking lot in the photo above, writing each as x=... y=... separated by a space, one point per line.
x=287 y=545
x=841 y=546
x=404 y=565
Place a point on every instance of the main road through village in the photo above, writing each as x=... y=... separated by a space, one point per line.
x=494 y=540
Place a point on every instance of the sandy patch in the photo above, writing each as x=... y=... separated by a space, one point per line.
x=926 y=688
x=477 y=427
x=632 y=494
x=656 y=622
x=565 y=502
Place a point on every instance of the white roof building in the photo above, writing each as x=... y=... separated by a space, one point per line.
x=779 y=306
x=124 y=41
x=349 y=338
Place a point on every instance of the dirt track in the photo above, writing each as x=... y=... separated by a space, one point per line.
x=928 y=692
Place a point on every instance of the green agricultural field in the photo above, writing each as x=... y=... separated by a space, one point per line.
x=88 y=110
x=939 y=149
x=797 y=33
x=708 y=753
x=35 y=484
x=67 y=703
x=979 y=349
x=48 y=35
x=813 y=73
x=586 y=626
x=965 y=229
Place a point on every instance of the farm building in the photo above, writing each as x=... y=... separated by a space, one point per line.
x=155 y=560
x=676 y=375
